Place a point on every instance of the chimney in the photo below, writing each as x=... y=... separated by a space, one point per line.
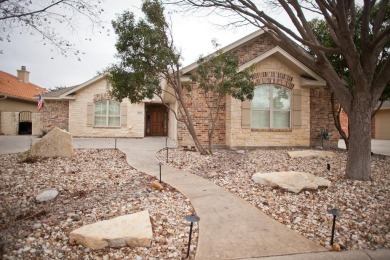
x=23 y=75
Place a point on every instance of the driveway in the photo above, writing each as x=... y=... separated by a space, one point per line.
x=21 y=143
x=377 y=146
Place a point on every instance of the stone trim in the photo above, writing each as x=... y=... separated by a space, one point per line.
x=273 y=77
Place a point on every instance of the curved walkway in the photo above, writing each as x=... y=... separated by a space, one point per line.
x=229 y=227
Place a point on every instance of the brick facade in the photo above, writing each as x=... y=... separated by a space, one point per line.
x=197 y=105
x=321 y=118
x=55 y=114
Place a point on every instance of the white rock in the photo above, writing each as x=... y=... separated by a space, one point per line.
x=129 y=230
x=46 y=195
x=291 y=181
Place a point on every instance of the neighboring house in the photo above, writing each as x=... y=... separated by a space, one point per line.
x=380 y=124
x=291 y=106
x=87 y=110
x=18 y=103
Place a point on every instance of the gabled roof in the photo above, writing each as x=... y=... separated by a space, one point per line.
x=308 y=76
x=68 y=93
x=227 y=48
x=11 y=86
x=58 y=92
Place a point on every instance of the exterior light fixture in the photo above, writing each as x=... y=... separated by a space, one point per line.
x=335 y=214
x=191 y=218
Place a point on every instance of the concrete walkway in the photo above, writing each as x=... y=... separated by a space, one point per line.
x=229 y=227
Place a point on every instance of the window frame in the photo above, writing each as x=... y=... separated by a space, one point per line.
x=271 y=109
x=107 y=114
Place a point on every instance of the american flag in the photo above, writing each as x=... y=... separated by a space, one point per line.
x=40 y=102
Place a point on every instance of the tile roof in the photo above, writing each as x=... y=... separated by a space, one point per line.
x=11 y=86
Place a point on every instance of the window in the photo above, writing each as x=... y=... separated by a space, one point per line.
x=107 y=113
x=271 y=107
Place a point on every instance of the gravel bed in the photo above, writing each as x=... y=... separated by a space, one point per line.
x=365 y=206
x=95 y=185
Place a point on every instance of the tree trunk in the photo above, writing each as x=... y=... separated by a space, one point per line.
x=359 y=152
x=336 y=117
x=188 y=122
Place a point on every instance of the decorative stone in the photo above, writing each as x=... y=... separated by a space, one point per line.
x=57 y=143
x=129 y=230
x=336 y=247
x=310 y=153
x=156 y=185
x=240 y=151
x=291 y=181
x=46 y=195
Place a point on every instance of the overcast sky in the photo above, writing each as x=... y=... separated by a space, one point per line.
x=192 y=35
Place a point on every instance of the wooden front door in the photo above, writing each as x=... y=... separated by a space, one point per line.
x=156 y=121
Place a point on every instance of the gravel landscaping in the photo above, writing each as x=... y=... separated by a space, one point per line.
x=95 y=185
x=365 y=206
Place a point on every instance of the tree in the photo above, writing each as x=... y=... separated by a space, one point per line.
x=43 y=18
x=341 y=18
x=339 y=63
x=218 y=76
x=147 y=57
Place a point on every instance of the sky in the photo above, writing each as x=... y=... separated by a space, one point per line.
x=192 y=34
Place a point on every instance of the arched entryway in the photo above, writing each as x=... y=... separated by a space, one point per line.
x=156 y=120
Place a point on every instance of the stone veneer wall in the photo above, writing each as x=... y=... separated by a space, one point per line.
x=132 y=121
x=321 y=117
x=54 y=113
x=239 y=137
x=9 y=123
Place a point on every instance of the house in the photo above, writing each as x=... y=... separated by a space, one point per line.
x=18 y=103
x=87 y=110
x=291 y=106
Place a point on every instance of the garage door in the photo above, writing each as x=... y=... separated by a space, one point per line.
x=382 y=124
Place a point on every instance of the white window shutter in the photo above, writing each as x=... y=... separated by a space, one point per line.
x=246 y=110
x=297 y=109
x=90 y=114
x=123 y=114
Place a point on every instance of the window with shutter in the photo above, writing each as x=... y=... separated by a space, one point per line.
x=271 y=107
x=107 y=113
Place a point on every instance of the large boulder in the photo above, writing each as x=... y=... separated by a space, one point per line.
x=310 y=153
x=57 y=143
x=291 y=181
x=129 y=230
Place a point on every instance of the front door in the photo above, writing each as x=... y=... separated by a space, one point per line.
x=156 y=121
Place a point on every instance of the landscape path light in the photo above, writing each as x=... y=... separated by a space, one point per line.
x=335 y=214
x=191 y=218
x=160 y=164
x=166 y=147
